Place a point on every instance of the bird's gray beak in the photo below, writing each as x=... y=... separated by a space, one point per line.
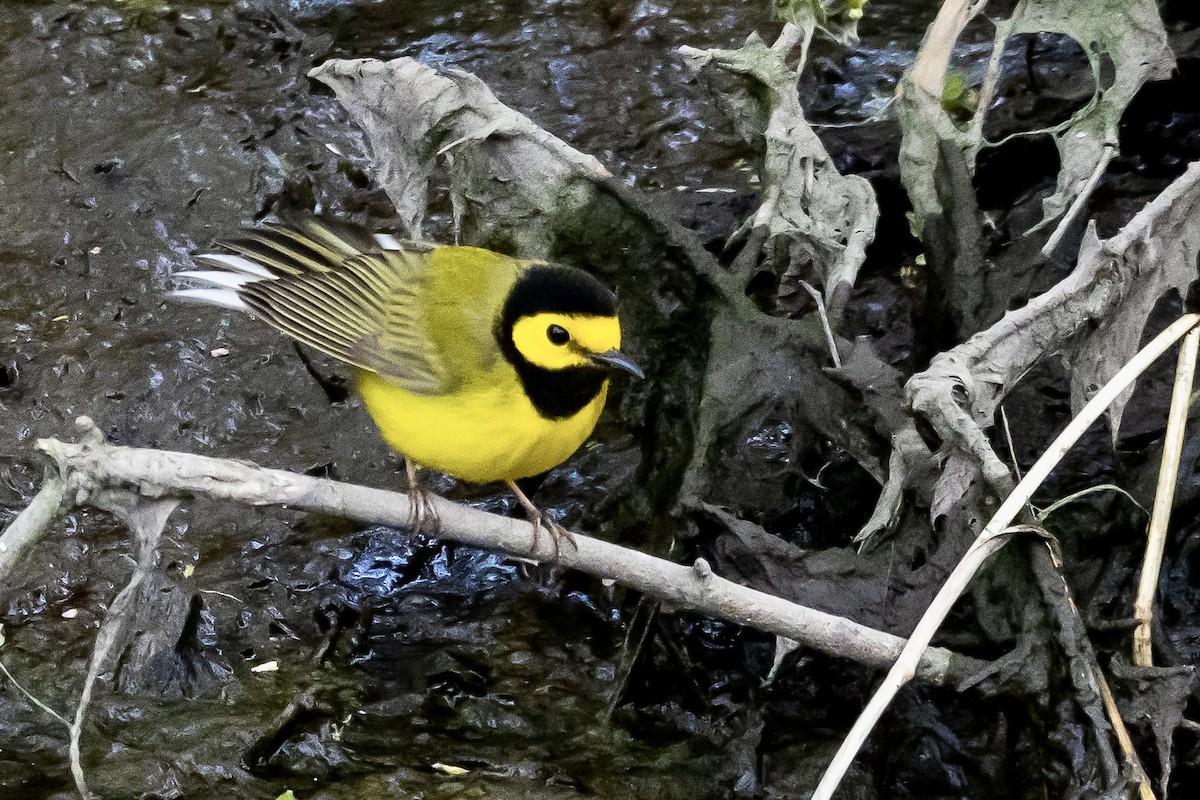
x=615 y=359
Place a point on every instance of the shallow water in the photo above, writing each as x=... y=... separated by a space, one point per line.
x=132 y=136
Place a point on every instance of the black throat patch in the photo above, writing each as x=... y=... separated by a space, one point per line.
x=555 y=393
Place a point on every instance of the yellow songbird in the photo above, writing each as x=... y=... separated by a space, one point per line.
x=485 y=367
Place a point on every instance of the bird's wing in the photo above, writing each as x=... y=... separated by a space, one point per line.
x=355 y=297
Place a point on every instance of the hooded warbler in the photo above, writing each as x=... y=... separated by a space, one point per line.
x=482 y=366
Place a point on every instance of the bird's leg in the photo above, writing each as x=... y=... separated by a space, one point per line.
x=540 y=519
x=421 y=513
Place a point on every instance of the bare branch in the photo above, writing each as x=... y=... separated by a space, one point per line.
x=1078 y=203
x=29 y=524
x=96 y=470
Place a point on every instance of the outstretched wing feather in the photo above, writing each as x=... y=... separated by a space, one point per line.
x=360 y=306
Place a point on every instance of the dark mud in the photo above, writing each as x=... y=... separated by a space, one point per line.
x=133 y=135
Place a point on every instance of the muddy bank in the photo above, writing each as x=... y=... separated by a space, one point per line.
x=134 y=136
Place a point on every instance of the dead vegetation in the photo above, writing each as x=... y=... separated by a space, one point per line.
x=723 y=365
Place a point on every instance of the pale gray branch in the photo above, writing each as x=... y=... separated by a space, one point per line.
x=93 y=469
x=29 y=524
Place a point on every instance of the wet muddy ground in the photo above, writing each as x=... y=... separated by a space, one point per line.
x=132 y=135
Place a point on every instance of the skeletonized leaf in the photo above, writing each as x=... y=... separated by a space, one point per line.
x=816 y=223
x=1130 y=34
x=1161 y=255
x=1124 y=41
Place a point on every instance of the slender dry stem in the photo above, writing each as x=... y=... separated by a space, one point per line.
x=1164 y=498
x=31 y=697
x=1079 y=202
x=1144 y=790
x=830 y=341
x=929 y=70
x=30 y=523
x=146 y=519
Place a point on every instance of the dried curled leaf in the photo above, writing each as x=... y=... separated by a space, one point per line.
x=814 y=223
x=1127 y=33
x=1160 y=255
x=413 y=113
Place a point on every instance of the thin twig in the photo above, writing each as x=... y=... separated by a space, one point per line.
x=987 y=89
x=829 y=338
x=928 y=72
x=631 y=654
x=986 y=543
x=146 y=519
x=29 y=524
x=1145 y=791
x=899 y=674
x=31 y=697
x=1164 y=498
x=790 y=36
x=1079 y=201
x=1082 y=657
x=1012 y=451
x=222 y=594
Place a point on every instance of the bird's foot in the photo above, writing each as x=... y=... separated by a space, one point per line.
x=558 y=534
x=422 y=516
x=542 y=520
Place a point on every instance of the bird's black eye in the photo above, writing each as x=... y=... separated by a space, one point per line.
x=557 y=334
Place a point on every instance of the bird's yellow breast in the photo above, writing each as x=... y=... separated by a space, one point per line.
x=487 y=430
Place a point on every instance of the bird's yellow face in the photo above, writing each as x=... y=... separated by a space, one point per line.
x=557 y=341
x=558 y=329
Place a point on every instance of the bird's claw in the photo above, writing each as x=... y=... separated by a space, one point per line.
x=540 y=519
x=558 y=534
x=422 y=516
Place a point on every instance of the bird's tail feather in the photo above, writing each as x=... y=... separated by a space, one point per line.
x=226 y=298
x=293 y=246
